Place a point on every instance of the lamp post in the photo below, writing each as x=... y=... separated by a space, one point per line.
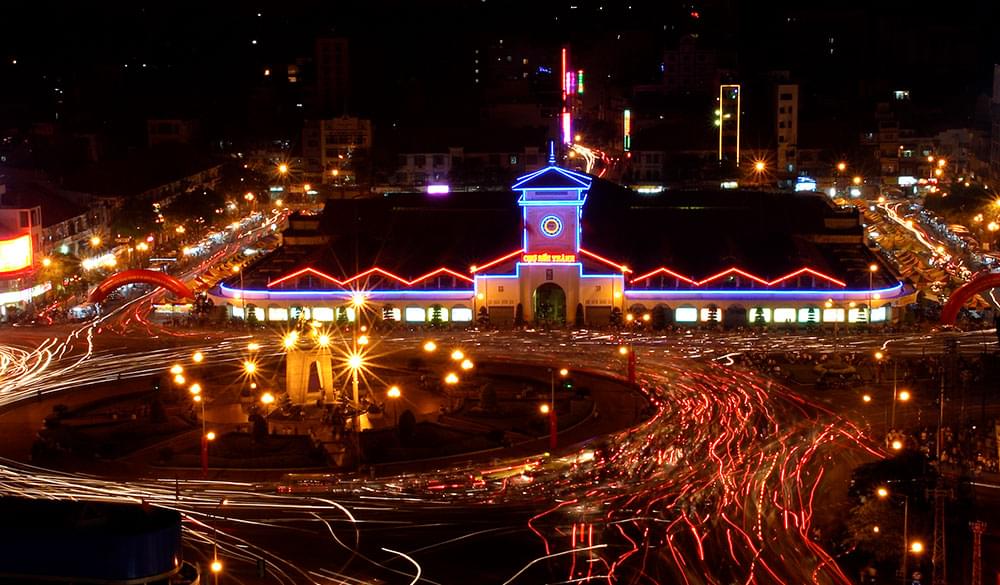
x=629 y=353
x=243 y=296
x=394 y=395
x=872 y=269
x=916 y=546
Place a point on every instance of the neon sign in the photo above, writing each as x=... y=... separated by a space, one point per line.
x=627 y=127
x=551 y=226
x=15 y=253
x=546 y=258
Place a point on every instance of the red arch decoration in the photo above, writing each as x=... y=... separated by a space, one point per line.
x=147 y=276
x=965 y=292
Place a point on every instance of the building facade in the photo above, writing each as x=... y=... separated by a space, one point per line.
x=550 y=275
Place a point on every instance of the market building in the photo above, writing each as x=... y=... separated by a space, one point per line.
x=569 y=248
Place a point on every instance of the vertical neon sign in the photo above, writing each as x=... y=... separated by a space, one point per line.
x=579 y=81
x=562 y=76
x=567 y=127
x=627 y=127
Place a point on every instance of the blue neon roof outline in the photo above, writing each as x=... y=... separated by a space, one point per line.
x=580 y=180
x=346 y=294
x=763 y=293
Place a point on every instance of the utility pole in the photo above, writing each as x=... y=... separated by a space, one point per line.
x=978 y=528
x=939 y=556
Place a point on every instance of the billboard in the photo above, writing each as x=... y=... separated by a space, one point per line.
x=15 y=254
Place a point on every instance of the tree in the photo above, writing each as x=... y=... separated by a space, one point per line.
x=659 y=318
x=758 y=318
x=251 y=315
x=436 y=319
x=578 y=320
x=342 y=319
x=862 y=521
x=616 y=317
x=713 y=315
x=484 y=317
x=407 y=426
x=519 y=315
x=488 y=398
x=389 y=314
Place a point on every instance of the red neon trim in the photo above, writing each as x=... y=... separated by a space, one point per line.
x=664 y=271
x=816 y=273
x=620 y=267
x=737 y=271
x=439 y=271
x=368 y=272
x=810 y=271
x=475 y=269
x=303 y=271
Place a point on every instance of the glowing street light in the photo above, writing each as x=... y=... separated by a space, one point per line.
x=198 y=357
x=467 y=364
x=563 y=372
x=623 y=350
x=179 y=379
x=430 y=346
x=544 y=408
x=867 y=398
x=856 y=180
x=759 y=166
x=249 y=367
x=177 y=369
x=904 y=395
x=323 y=340
x=355 y=361
x=916 y=547
x=363 y=340
x=896 y=445
x=282 y=169
x=290 y=339
x=46 y=262
x=394 y=392
x=457 y=355
x=267 y=399
x=195 y=389
x=210 y=435
x=842 y=166
x=253 y=346
x=451 y=379
x=882 y=492
x=95 y=241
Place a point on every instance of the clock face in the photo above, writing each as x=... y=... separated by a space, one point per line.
x=551 y=226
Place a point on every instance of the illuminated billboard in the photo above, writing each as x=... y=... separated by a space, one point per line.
x=15 y=254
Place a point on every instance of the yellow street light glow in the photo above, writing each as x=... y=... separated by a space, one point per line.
x=179 y=379
x=545 y=408
x=941 y=162
x=198 y=357
x=879 y=355
x=759 y=166
x=290 y=339
x=467 y=364
x=646 y=317
x=95 y=241
x=617 y=294
x=176 y=369
x=897 y=445
x=451 y=379
x=882 y=492
x=249 y=366
x=358 y=300
x=195 y=389
x=283 y=169
x=828 y=304
x=881 y=198
x=856 y=180
x=623 y=350
x=916 y=547
x=938 y=172
x=841 y=166
x=197 y=398
x=355 y=361
x=216 y=566
x=253 y=346
x=323 y=340
x=867 y=398
x=630 y=317
x=46 y=262
x=267 y=398
x=564 y=372
x=210 y=435
x=362 y=340
x=394 y=392
x=236 y=268
x=430 y=346
x=875 y=529
x=904 y=395
x=457 y=355
x=997 y=202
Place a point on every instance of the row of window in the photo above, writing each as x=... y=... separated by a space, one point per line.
x=330 y=314
x=784 y=315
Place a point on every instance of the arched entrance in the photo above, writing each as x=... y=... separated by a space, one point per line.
x=965 y=293
x=549 y=301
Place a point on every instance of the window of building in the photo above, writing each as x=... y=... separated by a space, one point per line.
x=880 y=314
x=324 y=314
x=420 y=161
x=24 y=218
x=237 y=312
x=833 y=315
x=711 y=314
x=461 y=314
x=809 y=315
x=277 y=314
x=785 y=97
x=415 y=315
x=438 y=160
x=856 y=316
x=513 y=159
x=686 y=315
x=784 y=315
x=759 y=314
x=500 y=289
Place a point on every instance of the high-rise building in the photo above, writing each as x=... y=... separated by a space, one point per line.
x=788 y=127
x=334 y=148
x=995 y=134
x=728 y=123
x=333 y=76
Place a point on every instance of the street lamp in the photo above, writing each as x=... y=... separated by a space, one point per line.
x=177 y=369
x=267 y=399
x=290 y=339
x=916 y=547
x=179 y=379
x=394 y=394
x=467 y=364
x=629 y=352
x=198 y=357
x=457 y=355
x=451 y=379
x=430 y=346
x=249 y=367
x=872 y=269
